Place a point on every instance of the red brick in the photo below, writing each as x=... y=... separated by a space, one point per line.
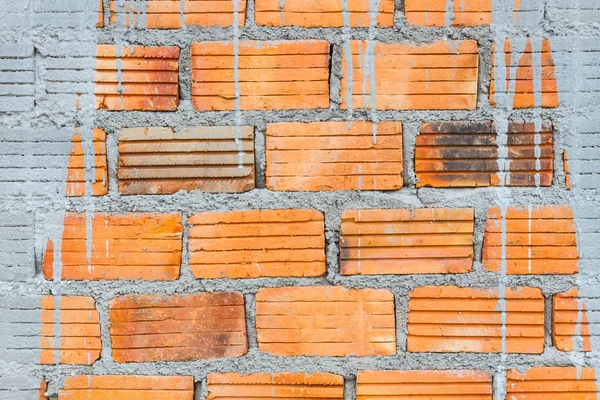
x=280 y=385
x=555 y=383
x=159 y=161
x=466 y=13
x=320 y=13
x=444 y=319
x=157 y=14
x=79 y=330
x=127 y=387
x=151 y=328
x=465 y=154
x=570 y=321
x=538 y=240
x=272 y=75
x=524 y=89
x=76 y=175
x=324 y=156
x=436 y=76
x=138 y=79
x=421 y=241
x=423 y=384
x=325 y=321
x=257 y=243
x=130 y=246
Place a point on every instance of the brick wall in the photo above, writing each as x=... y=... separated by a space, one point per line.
x=332 y=199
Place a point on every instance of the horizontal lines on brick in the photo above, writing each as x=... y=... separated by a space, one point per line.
x=150 y=328
x=270 y=75
x=129 y=246
x=556 y=383
x=78 y=161
x=466 y=154
x=318 y=13
x=451 y=319
x=575 y=320
x=211 y=159
x=423 y=241
x=538 y=240
x=137 y=78
x=423 y=384
x=257 y=243
x=324 y=156
x=168 y=14
x=17 y=76
x=325 y=321
x=465 y=13
x=436 y=76
x=79 y=340
x=16 y=246
x=121 y=387
x=283 y=385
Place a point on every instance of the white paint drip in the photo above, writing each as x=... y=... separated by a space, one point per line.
x=360 y=178
x=359 y=246
x=536 y=58
x=236 y=83
x=56 y=332
x=449 y=16
x=274 y=165
x=182 y=14
x=348 y=59
x=369 y=67
x=529 y=212
x=281 y=12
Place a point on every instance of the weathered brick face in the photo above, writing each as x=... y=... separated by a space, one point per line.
x=464 y=13
x=124 y=387
x=571 y=323
x=559 y=383
x=79 y=165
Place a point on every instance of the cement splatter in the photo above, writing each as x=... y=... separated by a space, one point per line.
x=370 y=101
x=236 y=83
x=449 y=15
x=349 y=73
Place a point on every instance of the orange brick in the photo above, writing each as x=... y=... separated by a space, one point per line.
x=100 y=23
x=555 y=383
x=324 y=156
x=127 y=387
x=257 y=243
x=465 y=154
x=78 y=340
x=523 y=96
x=76 y=174
x=465 y=13
x=446 y=319
x=271 y=75
x=319 y=13
x=425 y=384
x=168 y=14
x=211 y=159
x=570 y=321
x=137 y=78
x=325 y=321
x=423 y=241
x=538 y=240
x=437 y=76
x=280 y=385
x=130 y=246
x=43 y=390
x=566 y=168
x=149 y=328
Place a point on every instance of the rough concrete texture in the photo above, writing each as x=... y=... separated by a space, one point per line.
x=46 y=53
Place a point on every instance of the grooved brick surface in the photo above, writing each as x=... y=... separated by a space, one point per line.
x=423 y=384
x=571 y=322
x=271 y=75
x=285 y=385
x=537 y=240
x=17 y=77
x=324 y=156
x=392 y=76
x=137 y=78
x=129 y=246
x=76 y=174
x=451 y=319
x=147 y=328
x=127 y=387
x=556 y=383
x=464 y=13
x=170 y=14
x=16 y=246
x=324 y=13
x=161 y=161
x=257 y=243
x=325 y=321
x=466 y=154
x=423 y=241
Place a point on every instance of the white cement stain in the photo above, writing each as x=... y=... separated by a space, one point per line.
x=236 y=83
x=348 y=58
x=449 y=15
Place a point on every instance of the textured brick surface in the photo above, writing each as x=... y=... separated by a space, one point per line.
x=17 y=77
x=537 y=240
x=324 y=156
x=466 y=154
x=423 y=384
x=128 y=246
x=451 y=319
x=137 y=78
x=556 y=383
x=571 y=321
x=329 y=13
x=145 y=328
x=279 y=385
x=257 y=243
x=389 y=76
x=162 y=161
x=16 y=246
x=325 y=321
x=127 y=387
x=77 y=174
x=421 y=241
x=464 y=13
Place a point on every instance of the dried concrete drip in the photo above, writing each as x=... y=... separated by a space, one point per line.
x=449 y=15
x=236 y=83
